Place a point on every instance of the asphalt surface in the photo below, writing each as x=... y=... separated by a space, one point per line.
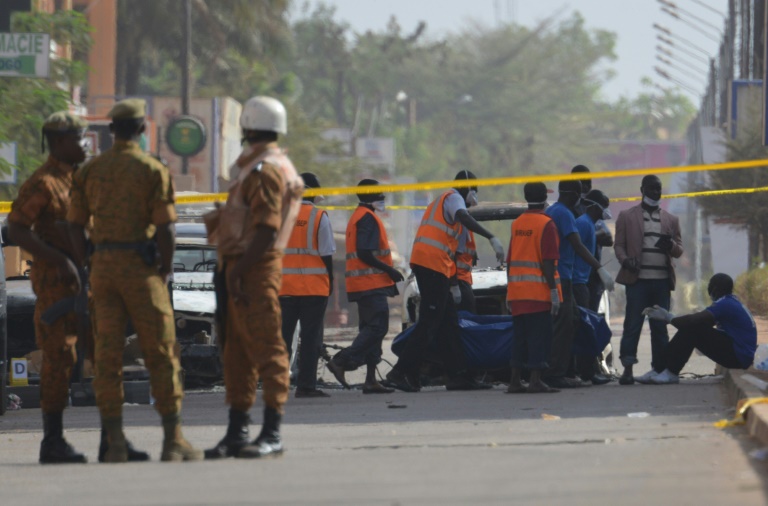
x=435 y=447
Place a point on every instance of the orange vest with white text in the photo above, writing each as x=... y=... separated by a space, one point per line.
x=465 y=259
x=304 y=272
x=436 y=241
x=361 y=277
x=525 y=277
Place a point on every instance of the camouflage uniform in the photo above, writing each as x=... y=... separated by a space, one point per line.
x=126 y=193
x=254 y=347
x=42 y=202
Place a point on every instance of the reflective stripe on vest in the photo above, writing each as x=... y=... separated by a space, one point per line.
x=304 y=272
x=376 y=253
x=435 y=244
x=436 y=241
x=525 y=276
x=359 y=276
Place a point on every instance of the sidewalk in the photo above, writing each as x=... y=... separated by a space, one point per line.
x=750 y=384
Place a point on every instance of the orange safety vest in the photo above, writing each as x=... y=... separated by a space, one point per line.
x=304 y=272
x=361 y=277
x=465 y=259
x=436 y=241
x=525 y=278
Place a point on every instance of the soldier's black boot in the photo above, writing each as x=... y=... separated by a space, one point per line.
x=234 y=440
x=54 y=449
x=269 y=443
x=134 y=455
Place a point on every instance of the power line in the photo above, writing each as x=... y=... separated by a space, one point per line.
x=683 y=50
x=692 y=25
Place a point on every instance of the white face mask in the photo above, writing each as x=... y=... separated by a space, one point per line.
x=650 y=202
x=319 y=198
x=379 y=206
x=607 y=215
x=471 y=199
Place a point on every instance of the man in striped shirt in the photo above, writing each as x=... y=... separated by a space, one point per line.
x=647 y=240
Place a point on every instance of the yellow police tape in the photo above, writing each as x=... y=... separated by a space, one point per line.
x=742 y=408
x=707 y=193
x=5 y=207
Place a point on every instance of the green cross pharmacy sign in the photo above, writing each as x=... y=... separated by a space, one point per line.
x=186 y=136
x=25 y=54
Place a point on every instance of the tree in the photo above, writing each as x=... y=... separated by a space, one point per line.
x=26 y=102
x=228 y=37
x=748 y=211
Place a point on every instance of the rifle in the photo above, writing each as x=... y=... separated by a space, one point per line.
x=79 y=305
x=220 y=289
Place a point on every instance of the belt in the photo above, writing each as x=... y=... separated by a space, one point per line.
x=112 y=246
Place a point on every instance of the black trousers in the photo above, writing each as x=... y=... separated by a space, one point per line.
x=584 y=366
x=533 y=339
x=373 y=316
x=467 y=298
x=564 y=329
x=438 y=321
x=714 y=343
x=310 y=312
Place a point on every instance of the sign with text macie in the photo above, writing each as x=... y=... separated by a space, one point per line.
x=25 y=54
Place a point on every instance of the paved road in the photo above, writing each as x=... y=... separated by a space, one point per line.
x=434 y=447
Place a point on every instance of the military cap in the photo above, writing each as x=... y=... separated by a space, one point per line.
x=64 y=121
x=131 y=108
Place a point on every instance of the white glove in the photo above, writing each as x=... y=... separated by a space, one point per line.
x=555 y=297
x=606 y=278
x=456 y=294
x=658 y=313
x=498 y=249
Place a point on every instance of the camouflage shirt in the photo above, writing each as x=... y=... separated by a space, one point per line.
x=44 y=200
x=126 y=192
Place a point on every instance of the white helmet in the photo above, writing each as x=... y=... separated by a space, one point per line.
x=264 y=113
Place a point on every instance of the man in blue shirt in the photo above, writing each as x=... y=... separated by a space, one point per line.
x=562 y=214
x=725 y=332
x=595 y=204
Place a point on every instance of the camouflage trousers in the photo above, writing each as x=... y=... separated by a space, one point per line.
x=254 y=347
x=124 y=286
x=56 y=341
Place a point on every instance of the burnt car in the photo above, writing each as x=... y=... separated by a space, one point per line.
x=489 y=284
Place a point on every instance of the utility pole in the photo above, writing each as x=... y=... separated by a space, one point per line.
x=186 y=57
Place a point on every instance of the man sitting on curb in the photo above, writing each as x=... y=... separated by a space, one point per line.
x=725 y=332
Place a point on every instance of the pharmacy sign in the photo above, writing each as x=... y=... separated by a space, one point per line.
x=25 y=54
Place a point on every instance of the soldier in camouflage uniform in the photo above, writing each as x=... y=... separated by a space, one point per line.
x=253 y=346
x=35 y=224
x=129 y=196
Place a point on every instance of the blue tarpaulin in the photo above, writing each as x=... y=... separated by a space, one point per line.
x=487 y=340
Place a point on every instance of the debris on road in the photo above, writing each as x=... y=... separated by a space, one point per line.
x=546 y=416
x=640 y=414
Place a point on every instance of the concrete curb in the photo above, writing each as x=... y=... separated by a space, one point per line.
x=738 y=389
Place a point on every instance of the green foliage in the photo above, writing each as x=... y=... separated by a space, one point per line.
x=749 y=211
x=25 y=102
x=752 y=288
x=499 y=100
